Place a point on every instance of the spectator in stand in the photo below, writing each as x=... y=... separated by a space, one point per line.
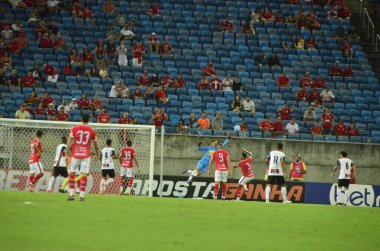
x=209 y=70
x=135 y=121
x=153 y=43
x=144 y=79
x=313 y=22
x=104 y=117
x=335 y=70
x=154 y=80
x=302 y=95
x=159 y=117
x=62 y=114
x=68 y=70
x=87 y=13
x=340 y=31
x=313 y=96
x=36 y=73
x=103 y=72
x=119 y=90
x=121 y=53
x=294 y=2
x=247 y=28
x=96 y=104
x=22 y=42
x=261 y=60
x=3 y=77
x=126 y=34
x=327 y=121
x=283 y=81
x=290 y=19
x=100 y=53
x=14 y=79
x=247 y=105
x=149 y=94
x=279 y=18
x=154 y=9
x=45 y=41
x=84 y=102
x=266 y=125
x=316 y=129
x=120 y=20
x=273 y=61
x=285 y=111
x=13 y=46
x=113 y=35
x=111 y=53
x=125 y=119
x=217 y=122
x=204 y=121
x=182 y=127
x=226 y=25
x=311 y=44
x=33 y=99
x=243 y=126
x=192 y=120
x=21 y=113
x=76 y=10
x=203 y=84
x=299 y=43
x=236 y=84
x=51 y=112
x=138 y=51
x=165 y=49
x=292 y=127
x=16 y=27
x=74 y=57
x=332 y=14
x=278 y=127
x=7 y=35
x=109 y=7
x=6 y=60
x=320 y=82
x=347 y=72
x=51 y=72
x=53 y=6
x=346 y=48
x=215 y=83
x=40 y=110
x=161 y=96
x=179 y=82
x=266 y=16
x=327 y=96
x=344 y=13
x=340 y=129
x=28 y=80
x=256 y=15
x=236 y=104
x=352 y=131
x=73 y=104
x=138 y=94
x=309 y=115
x=227 y=83
x=65 y=105
x=302 y=23
x=167 y=81
x=305 y=80
x=59 y=43
x=86 y=56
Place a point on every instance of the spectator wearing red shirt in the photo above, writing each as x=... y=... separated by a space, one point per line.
x=311 y=44
x=283 y=81
x=346 y=48
x=243 y=126
x=59 y=43
x=76 y=10
x=84 y=102
x=45 y=41
x=344 y=13
x=125 y=119
x=179 y=82
x=279 y=18
x=51 y=72
x=21 y=40
x=47 y=100
x=28 y=80
x=86 y=56
x=159 y=117
x=335 y=70
x=226 y=25
x=51 y=112
x=99 y=52
x=167 y=81
x=153 y=43
x=266 y=125
x=340 y=129
x=14 y=46
x=327 y=121
x=87 y=13
x=285 y=112
x=302 y=95
x=266 y=16
x=161 y=96
x=305 y=80
x=154 y=9
x=165 y=48
x=138 y=51
x=202 y=84
x=215 y=83
x=316 y=129
x=313 y=96
x=248 y=28
x=347 y=72
x=68 y=70
x=209 y=70
x=144 y=79
x=62 y=115
x=96 y=104
x=104 y=117
x=40 y=110
x=332 y=14
x=278 y=127
x=295 y=2
x=352 y=131
x=320 y=82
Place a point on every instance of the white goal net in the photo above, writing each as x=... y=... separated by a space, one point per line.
x=16 y=137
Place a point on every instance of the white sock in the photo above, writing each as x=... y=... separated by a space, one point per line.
x=283 y=192
x=347 y=197
x=338 y=194
x=189 y=171
x=267 y=193
x=51 y=183
x=190 y=177
x=101 y=185
x=109 y=181
x=71 y=191
x=343 y=196
x=81 y=194
x=128 y=189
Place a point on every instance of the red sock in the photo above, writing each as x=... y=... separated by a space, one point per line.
x=83 y=183
x=31 y=178
x=216 y=190
x=238 y=192
x=122 y=181
x=71 y=180
x=224 y=189
x=130 y=182
x=37 y=177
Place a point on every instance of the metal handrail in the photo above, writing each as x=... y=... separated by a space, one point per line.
x=369 y=22
x=377 y=39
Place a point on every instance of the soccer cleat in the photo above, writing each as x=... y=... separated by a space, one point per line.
x=238 y=199
x=121 y=191
x=70 y=198
x=31 y=187
x=81 y=198
x=287 y=202
x=223 y=197
x=215 y=197
x=267 y=201
x=61 y=190
x=185 y=171
x=49 y=191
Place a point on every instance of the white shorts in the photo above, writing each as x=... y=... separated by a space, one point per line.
x=128 y=172
x=135 y=62
x=80 y=165
x=36 y=168
x=122 y=61
x=221 y=176
x=244 y=180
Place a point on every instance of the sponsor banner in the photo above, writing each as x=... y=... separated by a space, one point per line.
x=359 y=195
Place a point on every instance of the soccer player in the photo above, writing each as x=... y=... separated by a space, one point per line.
x=60 y=164
x=127 y=157
x=246 y=168
x=79 y=147
x=108 y=154
x=297 y=169
x=276 y=173
x=204 y=162
x=222 y=170
x=35 y=166
x=345 y=165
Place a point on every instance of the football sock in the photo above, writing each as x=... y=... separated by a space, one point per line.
x=338 y=195
x=216 y=190
x=37 y=177
x=109 y=181
x=122 y=182
x=130 y=182
x=347 y=197
x=31 y=179
x=343 y=196
x=78 y=180
x=71 y=184
x=283 y=192
x=224 y=189
x=101 y=185
x=238 y=192
x=189 y=171
x=83 y=184
x=64 y=184
x=267 y=193
x=51 y=183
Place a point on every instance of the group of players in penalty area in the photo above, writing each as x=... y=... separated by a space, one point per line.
x=73 y=158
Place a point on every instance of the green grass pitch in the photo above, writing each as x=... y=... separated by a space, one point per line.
x=43 y=221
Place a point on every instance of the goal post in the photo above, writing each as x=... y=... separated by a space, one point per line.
x=16 y=136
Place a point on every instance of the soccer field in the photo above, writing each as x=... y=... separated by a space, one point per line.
x=43 y=221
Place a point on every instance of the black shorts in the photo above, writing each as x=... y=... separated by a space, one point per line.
x=109 y=172
x=60 y=170
x=279 y=180
x=344 y=183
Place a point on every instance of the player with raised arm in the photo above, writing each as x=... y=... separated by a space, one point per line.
x=60 y=164
x=222 y=170
x=79 y=148
x=204 y=162
x=127 y=157
x=35 y=166
x=246 y=168
x=345 y=165
x=108 y=154
x=276 y=173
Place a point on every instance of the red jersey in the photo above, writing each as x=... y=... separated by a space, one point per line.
x=285 y=113
x=266 y=15
x=327 y=120
x=283 y=81
x=34 y=155
x=46 y=42
x=62 y=116
x=39 y=111
x=226 y=25
x=335 y=71
x=96 y=104
x=167 y=81
x=83 y=136
x=347 y=72
x=313 y=96
x=215 y=84
x=104 y=118
x=155 y=10
x=220 y=157
x=302 y=94
x=340 y=130
x=319 y=83
x=266 y=127
x=51 y=112
x=202 y=85
x=124 y=121
x=209 y=70
x=47 y=101
x=161 y=95
x=352 y=132
x=316 y=130
x=243 y=128
x=138 y=51
x=158 y=121
x=68 y=70
x=296 y=170
x=278 y=127
x=144 y=80
x=28 y=81
x=127 y=157
x=305 y=81
x=84 y=103
x=246 y=167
